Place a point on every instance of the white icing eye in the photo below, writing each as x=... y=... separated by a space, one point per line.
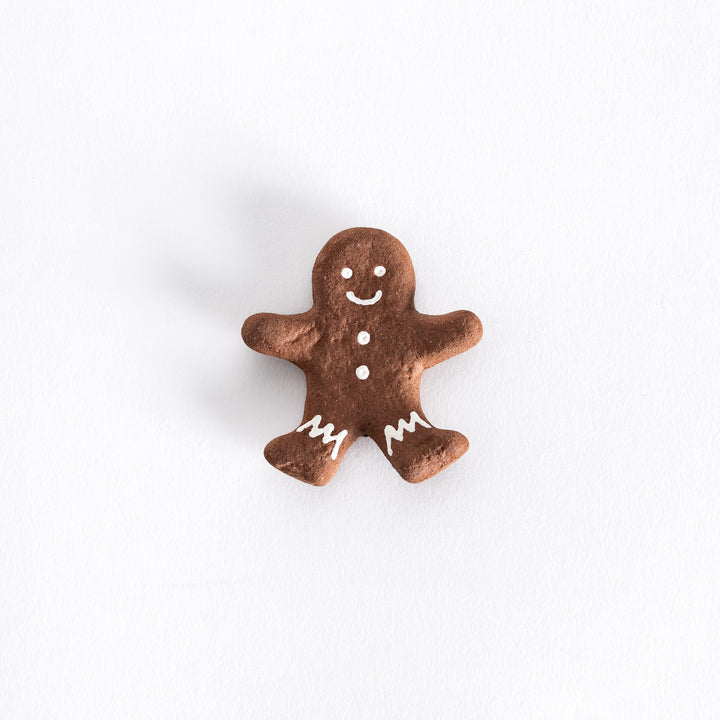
x=347 y=273
x=379 y=270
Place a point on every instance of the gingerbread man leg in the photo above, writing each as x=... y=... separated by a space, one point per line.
x=313 y=451
x=415 y=448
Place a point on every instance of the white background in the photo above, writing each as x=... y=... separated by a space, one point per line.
x=167 y=169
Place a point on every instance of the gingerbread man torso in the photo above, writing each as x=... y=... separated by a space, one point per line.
x=367 y=363
x=363 y=348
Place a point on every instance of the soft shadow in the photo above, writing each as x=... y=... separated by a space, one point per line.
x=277 y=235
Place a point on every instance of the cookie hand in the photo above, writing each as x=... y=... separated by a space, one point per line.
x=443 y=336
x=282 y=336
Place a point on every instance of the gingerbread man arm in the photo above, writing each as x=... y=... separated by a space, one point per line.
x=442 y=336
x=282 y=336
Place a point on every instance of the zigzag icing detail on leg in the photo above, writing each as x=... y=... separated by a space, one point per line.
x=326 y=433
x=392 y=433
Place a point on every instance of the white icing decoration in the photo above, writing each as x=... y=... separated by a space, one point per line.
x=392 y=434
x=363 y=372
x=379 y=270
x=346 y=273
x=326 y=433
x=363 y=337
x=359 y=301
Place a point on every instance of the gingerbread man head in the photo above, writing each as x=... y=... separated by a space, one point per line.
x=363 y=268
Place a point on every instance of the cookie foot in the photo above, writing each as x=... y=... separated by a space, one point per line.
x=311 y=453
x=425 y=454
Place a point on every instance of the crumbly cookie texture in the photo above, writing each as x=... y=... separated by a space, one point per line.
x=363 y=348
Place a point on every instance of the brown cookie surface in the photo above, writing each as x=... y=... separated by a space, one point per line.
x=363 y=348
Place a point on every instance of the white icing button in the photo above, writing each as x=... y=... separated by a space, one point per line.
x=362 y=372
x=346 y=273
x=363 y=337
x=379 y=270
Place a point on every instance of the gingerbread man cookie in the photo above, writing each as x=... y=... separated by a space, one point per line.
x=363 y=348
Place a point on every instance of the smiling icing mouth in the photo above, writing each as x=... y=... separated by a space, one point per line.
x=350 y=295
